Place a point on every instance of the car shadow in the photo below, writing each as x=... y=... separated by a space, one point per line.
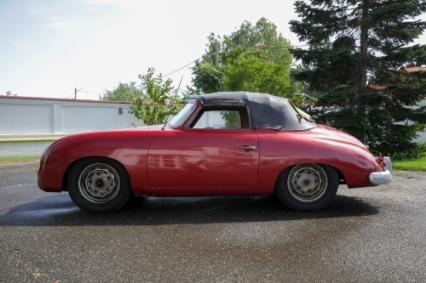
x=58 y=210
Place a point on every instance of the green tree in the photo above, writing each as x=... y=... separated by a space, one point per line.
x=358 y=51
x=155 y=100
x=253 y=58
x=123 y=92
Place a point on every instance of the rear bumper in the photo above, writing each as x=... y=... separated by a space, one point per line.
x=382 y=177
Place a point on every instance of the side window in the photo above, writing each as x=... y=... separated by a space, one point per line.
x=219 y=119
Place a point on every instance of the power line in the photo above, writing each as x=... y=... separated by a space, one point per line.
x=88 y=91
x=292 y=47
x=82 y=90
x=192 y=62
x=277 y=47
x=183 y=67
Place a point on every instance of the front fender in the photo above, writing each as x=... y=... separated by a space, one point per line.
x=129 y=150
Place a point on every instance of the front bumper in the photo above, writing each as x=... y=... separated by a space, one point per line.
x=382 y=177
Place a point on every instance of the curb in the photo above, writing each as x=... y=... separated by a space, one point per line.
x=19 y=163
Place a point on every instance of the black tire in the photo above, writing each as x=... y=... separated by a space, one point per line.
x=322 y=182
x=98 y=185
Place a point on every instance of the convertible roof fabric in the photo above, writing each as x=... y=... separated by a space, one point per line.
x=266 y=111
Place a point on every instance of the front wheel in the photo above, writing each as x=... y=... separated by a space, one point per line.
x=98 y=185
x=307 y=186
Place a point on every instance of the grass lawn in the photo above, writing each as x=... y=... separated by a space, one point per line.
x=18 y=159
x=418 y=164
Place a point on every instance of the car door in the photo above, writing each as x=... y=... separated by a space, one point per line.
x=217 y=154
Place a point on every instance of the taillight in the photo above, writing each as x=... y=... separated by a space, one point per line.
x=381 y=161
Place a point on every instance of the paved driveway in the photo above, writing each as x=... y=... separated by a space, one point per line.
x=372 y=234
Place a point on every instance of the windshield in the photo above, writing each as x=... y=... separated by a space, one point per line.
x=183 y=114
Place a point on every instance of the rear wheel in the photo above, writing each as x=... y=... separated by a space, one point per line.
x=307 y=186
x=98 y=185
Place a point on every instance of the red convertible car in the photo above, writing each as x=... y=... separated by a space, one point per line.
x=219 y=144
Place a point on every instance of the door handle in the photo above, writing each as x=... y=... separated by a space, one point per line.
x=248 y=147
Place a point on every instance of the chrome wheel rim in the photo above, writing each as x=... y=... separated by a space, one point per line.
x=307 y=183
x=99 y=183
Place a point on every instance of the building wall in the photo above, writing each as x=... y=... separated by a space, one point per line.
x=18 y=119
x=32 y=117
x=421 y=136
x=50 y=117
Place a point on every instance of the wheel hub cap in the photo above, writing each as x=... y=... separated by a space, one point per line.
x=99 y=183
x=307 y=183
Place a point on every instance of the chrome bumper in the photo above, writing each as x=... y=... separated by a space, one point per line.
x=380 y=178
x=383 y=177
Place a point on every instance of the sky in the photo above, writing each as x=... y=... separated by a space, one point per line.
x=50 y=47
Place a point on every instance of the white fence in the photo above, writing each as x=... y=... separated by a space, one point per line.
x=39 y=116
x=45 y=117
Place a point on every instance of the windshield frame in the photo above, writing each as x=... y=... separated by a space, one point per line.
x=186 y=113
x=302 y=114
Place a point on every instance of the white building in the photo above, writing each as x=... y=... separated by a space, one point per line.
x=29 y=124
x=421 y=138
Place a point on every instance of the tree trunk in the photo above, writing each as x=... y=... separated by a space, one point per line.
x=364 y=45
x=363 y=62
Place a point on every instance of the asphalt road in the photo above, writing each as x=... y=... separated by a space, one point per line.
x=372 y=234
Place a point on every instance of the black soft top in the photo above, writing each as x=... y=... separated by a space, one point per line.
x=266 y=111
